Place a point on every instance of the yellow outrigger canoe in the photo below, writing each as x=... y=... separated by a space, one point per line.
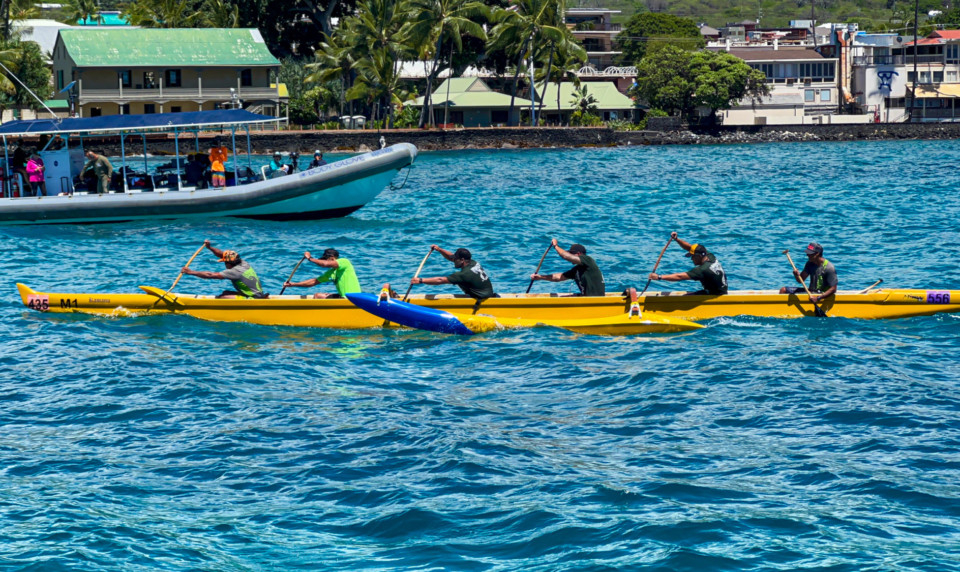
x=293 y=310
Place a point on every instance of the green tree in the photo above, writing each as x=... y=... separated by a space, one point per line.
x=649 y=28
x=164 y=14
x=26 y=61
x=221 y=14
x=333 y=62
x=436 y=21
x=585 y=108
x=678 y=81
x=78 y=10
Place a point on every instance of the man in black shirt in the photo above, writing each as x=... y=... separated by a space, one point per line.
x=707 y=269
x=586 y=274
x=470 y=276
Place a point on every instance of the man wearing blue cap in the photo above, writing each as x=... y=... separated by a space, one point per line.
x=823 y=276
x=707 y=269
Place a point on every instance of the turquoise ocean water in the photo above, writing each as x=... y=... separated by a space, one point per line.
x=168 y=443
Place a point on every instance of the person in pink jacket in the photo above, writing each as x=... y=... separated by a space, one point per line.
x=35 y=171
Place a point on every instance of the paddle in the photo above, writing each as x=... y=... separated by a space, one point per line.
x=872 y=286
x=817 y=310
x=302 y=258
x=537 y=271
x=669 y=240
x=407 y=295
x=179 y=276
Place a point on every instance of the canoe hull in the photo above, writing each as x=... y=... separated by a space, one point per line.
x=340 y=313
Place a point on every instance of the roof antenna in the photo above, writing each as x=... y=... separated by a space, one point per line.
x=14 y=76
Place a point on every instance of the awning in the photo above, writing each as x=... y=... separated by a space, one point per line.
x=945 y=90
x=107 y=123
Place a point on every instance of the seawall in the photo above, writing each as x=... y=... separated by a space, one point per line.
x=531 y=137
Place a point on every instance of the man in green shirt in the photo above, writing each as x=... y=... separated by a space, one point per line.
x=238 y=271
x=102 y=170
x=470 y=276
x=707 y=269
x=340 y=272
x=586 y=274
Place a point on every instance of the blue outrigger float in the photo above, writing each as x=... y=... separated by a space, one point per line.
x=330 y=191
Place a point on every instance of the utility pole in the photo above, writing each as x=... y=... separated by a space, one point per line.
x=813 y=22
x=916 y=47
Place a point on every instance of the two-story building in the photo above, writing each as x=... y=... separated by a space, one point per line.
x=156 y=70
x=595 y=30
x=802 y=82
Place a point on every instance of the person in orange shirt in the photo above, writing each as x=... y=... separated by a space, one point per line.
x=218 y=158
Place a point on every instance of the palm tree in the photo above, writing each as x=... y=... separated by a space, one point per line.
x=76 y=11
x=24 y=9
x=439 y=20
x=532 y=25
x=163 y=14
x=584 y=103
x=565 y=60
x=333 y=61
x=221 y=14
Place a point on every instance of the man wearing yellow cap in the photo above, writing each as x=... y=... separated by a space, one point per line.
x=238 y=271
x=707 y=269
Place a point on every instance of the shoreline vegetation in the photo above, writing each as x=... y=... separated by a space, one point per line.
x=266 y=142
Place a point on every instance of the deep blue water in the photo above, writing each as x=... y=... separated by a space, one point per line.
x=175 y=444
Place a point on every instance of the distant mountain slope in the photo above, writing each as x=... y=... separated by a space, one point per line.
x=871 y=14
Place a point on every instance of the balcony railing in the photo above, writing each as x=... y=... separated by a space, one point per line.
x=899 y=60
x=124 y=95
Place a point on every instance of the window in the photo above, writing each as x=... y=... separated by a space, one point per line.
x=125 y=109
x=951 y=76
x=126 y=78
x=246 y=78
x=59 y=80
x=824 y=95
x=171 y=78
x=809 y=95
x=938 y=77
x=149 y=80
x=149 y=108
x=175 y=109
x=498 y=116
x=95 y=112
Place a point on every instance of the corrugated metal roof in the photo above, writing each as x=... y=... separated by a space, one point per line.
x=471 y=92
x=606 y=93
x=767 y=54
x=147 y=47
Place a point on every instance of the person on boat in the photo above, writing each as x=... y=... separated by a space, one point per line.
x=18 y=163
x=586 y=274
x=238 y=271
x=218 y=167
x=823 y=275
x=35 y=169
x=193 y=172
x=317 y=160
x=101 y=168
x=707 y=269
x=470 y=276
x=294 y=165
x=340 y=272
x=277 y=168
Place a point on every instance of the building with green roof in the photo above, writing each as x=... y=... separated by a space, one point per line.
x=472 y=103
x=611 y=104
x=156 y=70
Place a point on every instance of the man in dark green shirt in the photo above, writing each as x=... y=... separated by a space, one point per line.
x=470 y=276
x=586 y=274
x=707 y=269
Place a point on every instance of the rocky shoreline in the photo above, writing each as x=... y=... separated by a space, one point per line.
x=305 y=142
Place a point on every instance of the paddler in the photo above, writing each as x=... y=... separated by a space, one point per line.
x=823 y=275
x=586 y=274
x=707 y=269
x=340 y=272
x=238 y=271
x=470 y=276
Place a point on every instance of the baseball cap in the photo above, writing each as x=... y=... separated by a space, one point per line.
x=814 y=248
x=696 y=250
x=276 y=154
x=228 y=256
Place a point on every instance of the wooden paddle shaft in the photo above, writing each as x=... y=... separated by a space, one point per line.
x=669 y=240
x=872 y=286
x=179 y=276
x=302 y=258
x=537 y=271
x=419 y=268
x=804 y=284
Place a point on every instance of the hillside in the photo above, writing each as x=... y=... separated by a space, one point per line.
x=877 y=15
